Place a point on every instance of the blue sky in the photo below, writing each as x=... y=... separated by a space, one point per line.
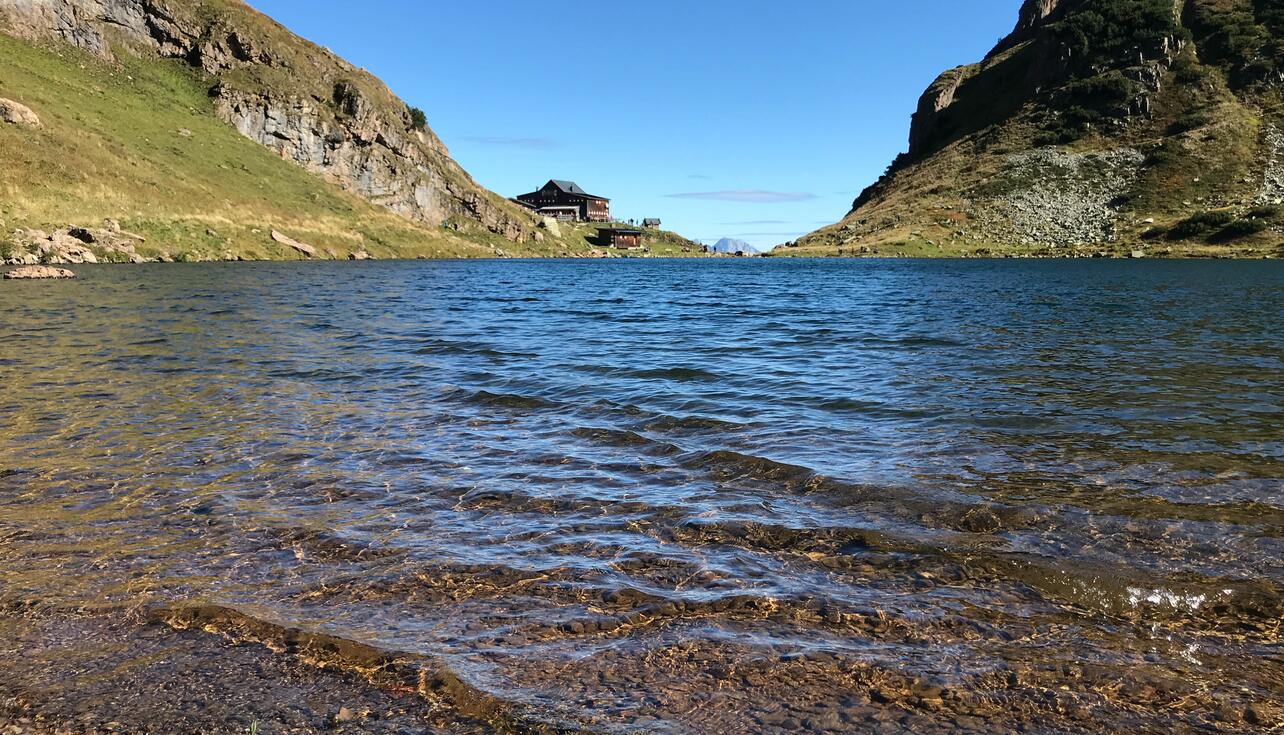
x=739 y=118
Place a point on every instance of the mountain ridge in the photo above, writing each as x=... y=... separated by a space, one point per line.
x=732 y=246
x=205 y=130
x=304 y=102
x=1096 y=127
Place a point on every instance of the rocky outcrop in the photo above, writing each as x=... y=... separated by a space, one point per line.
x=971 y=97
x=348 y=141
x=75 y=245
x=924 y=126
x=1031 y=62
x=18 y=114
x=294 y=97
x=38 y=272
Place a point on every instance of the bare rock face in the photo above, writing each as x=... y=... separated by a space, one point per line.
x=333 y=119
x=934 y=101
x=361 y=153
x=36 y=272
x=968 y=97
x=1034 y=14
x=18 y=114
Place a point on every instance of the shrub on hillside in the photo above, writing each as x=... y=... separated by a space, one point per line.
x=1268 y=212
x=1240 y=229
x=1165 y=155
x=1085 y=103
x=1200 y=223
x=1193 y=120
x=1102 y=92
x=1187 y=70
x=1244 y=38
x=1099 y=33
x=418 y=120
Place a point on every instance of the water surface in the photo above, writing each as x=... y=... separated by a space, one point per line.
x=683 y=497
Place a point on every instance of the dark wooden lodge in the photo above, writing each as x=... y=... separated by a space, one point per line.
x=567 y=201
x=622 y=238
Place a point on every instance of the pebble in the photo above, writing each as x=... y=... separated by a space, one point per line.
x=825 y=721
x=1257 y=714
x=344 y=715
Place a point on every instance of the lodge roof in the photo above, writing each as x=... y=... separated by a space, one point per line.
x=570 y=187
x=620 y=231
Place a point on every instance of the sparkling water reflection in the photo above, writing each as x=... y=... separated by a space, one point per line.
x=748 y=496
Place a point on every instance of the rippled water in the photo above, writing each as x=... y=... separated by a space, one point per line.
x=748 y=496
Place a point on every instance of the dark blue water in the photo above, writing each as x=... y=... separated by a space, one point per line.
x=750 y=496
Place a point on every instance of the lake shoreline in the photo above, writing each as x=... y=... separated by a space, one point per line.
x=74 y=674
x=588 y=259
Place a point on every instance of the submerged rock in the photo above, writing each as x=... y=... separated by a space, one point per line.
x=18 y=114
x=37 y=272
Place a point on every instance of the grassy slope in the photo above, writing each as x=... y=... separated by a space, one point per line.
x=113 y=145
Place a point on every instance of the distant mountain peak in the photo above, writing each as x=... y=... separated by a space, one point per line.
x=731 y=245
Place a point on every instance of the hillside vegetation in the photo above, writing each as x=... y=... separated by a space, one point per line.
x=137 y=141
x=1098 y=127
x=204 y=127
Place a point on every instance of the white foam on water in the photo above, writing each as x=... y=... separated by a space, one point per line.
x=1166 y=598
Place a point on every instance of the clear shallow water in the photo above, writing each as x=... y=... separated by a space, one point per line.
x=746 y=496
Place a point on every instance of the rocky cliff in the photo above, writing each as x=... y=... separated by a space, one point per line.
x=1135 y=127
x=300 y=100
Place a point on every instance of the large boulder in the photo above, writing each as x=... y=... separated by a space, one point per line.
x=36 y=272
x=304 y=248
x=18 y=114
